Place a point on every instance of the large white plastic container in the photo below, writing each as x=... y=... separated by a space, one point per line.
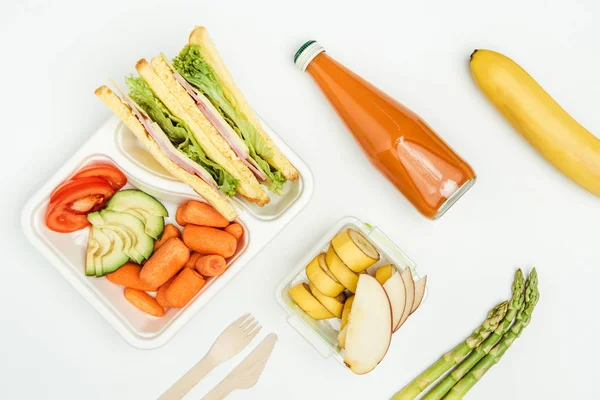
x=113 y=142
x=322 y=335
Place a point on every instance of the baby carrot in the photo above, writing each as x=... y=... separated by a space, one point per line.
x=198 y=213
x=192 y=261
x=165 y=262
x=184 y=287
x=179 y=216
x=235 y=229
x=207 y=240
x=161 y=294
x=144 y=302
x=129 y=276
x=211 y=265
x=169 y=232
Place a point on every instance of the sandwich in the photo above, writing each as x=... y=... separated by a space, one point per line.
x=194 y=105
x=196 y=172
x=204 y=137
x=206 y=77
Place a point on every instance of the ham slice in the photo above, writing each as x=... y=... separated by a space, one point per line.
x=168 y=149
x=217 y=120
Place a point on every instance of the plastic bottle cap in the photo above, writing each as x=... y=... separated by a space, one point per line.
x=306 y=53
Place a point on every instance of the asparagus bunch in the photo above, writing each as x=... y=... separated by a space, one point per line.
x=523 y=318
x=515 y=305
x=454 y=356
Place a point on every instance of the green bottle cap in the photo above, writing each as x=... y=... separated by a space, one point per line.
x=306 y=53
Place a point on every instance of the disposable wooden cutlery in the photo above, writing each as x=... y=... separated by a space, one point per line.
x=233 y=340
x=245 y=375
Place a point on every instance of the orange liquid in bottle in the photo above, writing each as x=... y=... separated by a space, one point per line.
x=396 y=140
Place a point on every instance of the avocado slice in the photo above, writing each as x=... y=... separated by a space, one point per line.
x=138 y=200
x=127 y=236
x=92 y=248
x=144 y=243
x=109 y=257
x=142 y=206
x=154 y=224
x=129 y=241
x=95 y=219
x=104 y=247
x=116 y=257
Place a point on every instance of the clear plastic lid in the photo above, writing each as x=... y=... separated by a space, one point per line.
x=322 y=335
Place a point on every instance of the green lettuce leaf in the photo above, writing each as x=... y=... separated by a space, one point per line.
x=179 y=133
x=276 y=178
x=190 y=64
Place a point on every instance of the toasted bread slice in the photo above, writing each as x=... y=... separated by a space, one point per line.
x=199 y=36
x=124 y=112
x=246 y=177
x=213 y=144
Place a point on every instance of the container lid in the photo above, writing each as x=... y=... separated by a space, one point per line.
x=306 y=53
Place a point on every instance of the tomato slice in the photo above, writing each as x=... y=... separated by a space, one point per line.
x=106 y=171
x=63 y=187
x=70 y=204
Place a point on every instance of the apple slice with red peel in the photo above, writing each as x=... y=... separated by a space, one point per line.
x=369 y=328
x=419 y=293
x=409 y=286
x=394 y=287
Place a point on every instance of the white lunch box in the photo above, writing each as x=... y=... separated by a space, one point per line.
x=113 y=142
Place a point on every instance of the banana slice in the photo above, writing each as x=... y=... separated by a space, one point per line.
x=384 y=273
x=303 y=297
x=320 y=275
x=342 y=337
x=346 y=311
x=335 y=305
x=342 y=273
x=355 y=250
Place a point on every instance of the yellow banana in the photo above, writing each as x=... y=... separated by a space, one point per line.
x=542 y=121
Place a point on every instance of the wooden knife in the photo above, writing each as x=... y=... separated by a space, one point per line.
x=245 y=375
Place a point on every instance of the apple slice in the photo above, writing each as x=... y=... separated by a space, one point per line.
x=419 y=293
x=394 y=287
x=369 y=328
x=409 y=286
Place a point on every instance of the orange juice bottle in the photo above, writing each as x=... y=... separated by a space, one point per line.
x=396 y=140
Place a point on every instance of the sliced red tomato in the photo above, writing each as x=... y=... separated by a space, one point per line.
x=111 y=174
x=61 y=189
x=106 y=171
x=71 y=202
x=57 y=189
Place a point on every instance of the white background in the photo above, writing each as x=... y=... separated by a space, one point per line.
x=520 y=213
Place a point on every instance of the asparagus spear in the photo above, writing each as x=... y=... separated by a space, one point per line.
x=523 y=318
x=515 y=305
x=450 y=359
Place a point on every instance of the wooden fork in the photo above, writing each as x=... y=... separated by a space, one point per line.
x=233 y=340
